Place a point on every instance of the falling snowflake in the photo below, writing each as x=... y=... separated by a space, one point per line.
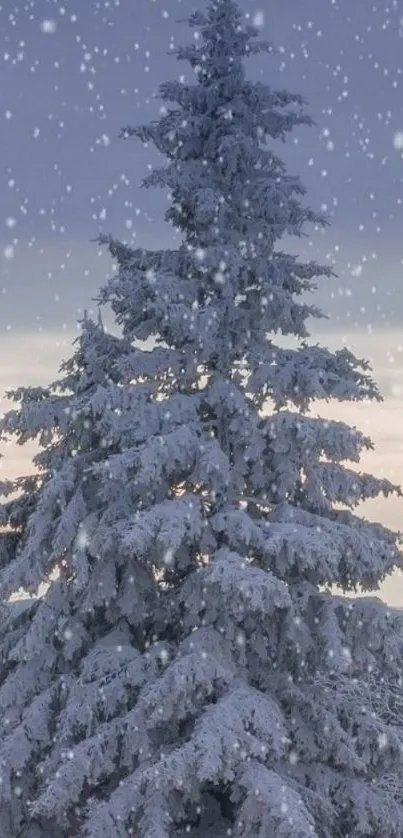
x=398 y=141
x=258 y=19
x=382 y=741
x=9 y=252
x=48 y=27
x=169 y=557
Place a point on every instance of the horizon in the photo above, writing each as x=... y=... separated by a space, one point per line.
x=380 y=421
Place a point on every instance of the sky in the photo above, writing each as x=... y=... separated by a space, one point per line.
x=74 y=73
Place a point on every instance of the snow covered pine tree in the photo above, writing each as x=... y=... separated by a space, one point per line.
x=190 y=671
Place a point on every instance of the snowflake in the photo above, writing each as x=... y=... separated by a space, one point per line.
x=48 y=27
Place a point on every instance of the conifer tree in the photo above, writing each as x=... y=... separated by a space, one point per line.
x=189 y=669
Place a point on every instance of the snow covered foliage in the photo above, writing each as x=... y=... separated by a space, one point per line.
x=189 y=669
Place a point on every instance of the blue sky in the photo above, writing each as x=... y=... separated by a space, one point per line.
x=73 y=75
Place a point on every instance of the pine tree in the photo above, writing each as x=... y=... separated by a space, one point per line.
x=189 y=669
